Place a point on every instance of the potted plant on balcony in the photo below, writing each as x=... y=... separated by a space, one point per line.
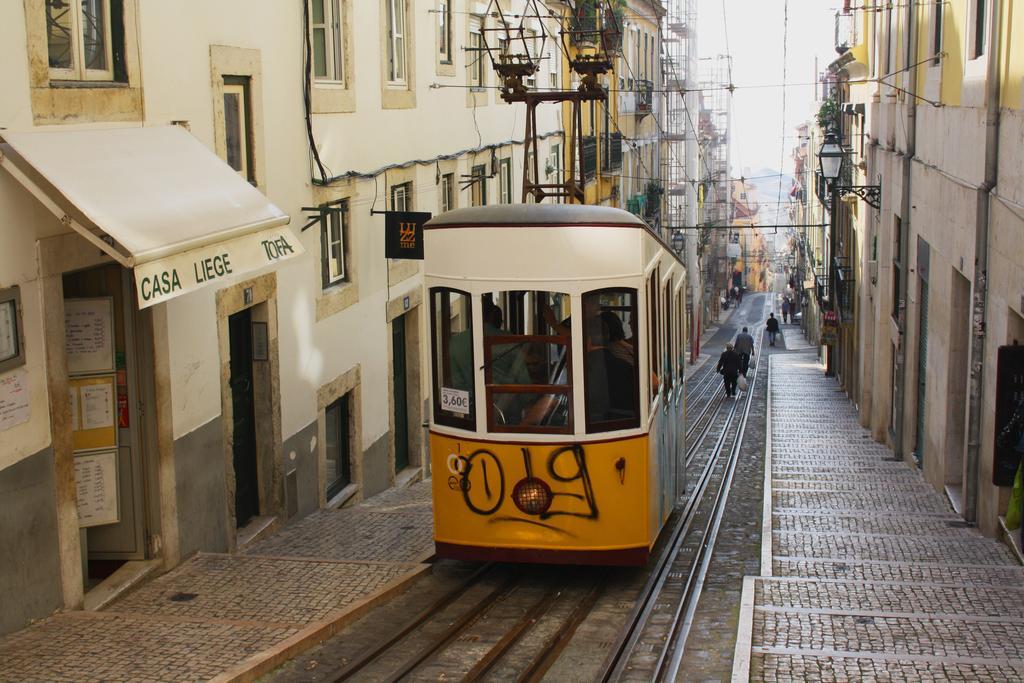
x=654 y=190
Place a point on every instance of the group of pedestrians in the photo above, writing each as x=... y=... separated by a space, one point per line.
x=735 y=360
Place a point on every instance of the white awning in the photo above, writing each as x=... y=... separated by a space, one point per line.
x=156 y=199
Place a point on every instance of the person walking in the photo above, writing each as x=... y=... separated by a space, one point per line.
x=729 y=367
x=773 y=328
x=744 y=346
x=785 y=310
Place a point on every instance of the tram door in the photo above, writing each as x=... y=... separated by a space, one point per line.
x=671 y=397
x=243 y=445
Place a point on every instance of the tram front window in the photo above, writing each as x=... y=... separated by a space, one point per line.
x=611 y=378
x=527 y=364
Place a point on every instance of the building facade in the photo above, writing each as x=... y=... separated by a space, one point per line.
x=930 y=106
x=202 y=338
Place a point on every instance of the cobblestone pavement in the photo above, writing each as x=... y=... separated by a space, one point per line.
x=213 y=612
x=867 y=573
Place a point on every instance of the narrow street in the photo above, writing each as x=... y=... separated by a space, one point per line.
x=858 y=572
x=511 y=340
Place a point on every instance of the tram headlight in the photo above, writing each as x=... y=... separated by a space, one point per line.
x=532 y=496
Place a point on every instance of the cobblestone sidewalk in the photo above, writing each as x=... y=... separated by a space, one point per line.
x=218 y=615
x=866 y=573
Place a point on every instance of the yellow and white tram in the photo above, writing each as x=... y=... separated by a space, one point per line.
x=557 y=355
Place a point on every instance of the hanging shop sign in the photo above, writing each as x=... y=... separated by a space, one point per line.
x=403 y=234
x=1009 y=425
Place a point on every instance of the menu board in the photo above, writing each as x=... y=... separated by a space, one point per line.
x=89 y=335
x=14 y=405
x=8 y=330
x=93 y=412
x=96 y=487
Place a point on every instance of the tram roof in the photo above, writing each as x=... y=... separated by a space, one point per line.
x=530 y=215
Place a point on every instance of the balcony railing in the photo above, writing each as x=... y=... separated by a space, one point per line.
x=588 y=144
x=611 y=157
x=846 y=288
x=637 y=98
x=644 y=96
x=821 y=287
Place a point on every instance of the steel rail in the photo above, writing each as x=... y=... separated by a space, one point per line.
x=640 y=614
x=414 y=623
x=680 y=631
x=546 y=657
x=515 y=634
x=454 y=629
x=618 y=658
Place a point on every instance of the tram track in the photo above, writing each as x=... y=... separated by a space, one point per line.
x=505 y=622
x=650 y=647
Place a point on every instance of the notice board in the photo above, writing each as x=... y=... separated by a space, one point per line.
x=93 y=412
x=89 y=335
x=96 y=487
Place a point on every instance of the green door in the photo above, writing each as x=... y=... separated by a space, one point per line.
x=247 y=497
x=922 y=373
x=400 y=393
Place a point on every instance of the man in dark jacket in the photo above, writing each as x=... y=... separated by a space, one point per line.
x=729 y=364
x=773 y=329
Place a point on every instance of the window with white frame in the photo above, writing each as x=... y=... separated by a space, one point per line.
x=79 y=40
x=937 y=10
x=401 y=197
x=326 y=39
x=555 y=164
x=396 y=40
x=238 y=127
x=505 y=180
x=478 y=192
x=889 y=38
x=476 y=58
x=444 y=31
x=447 y=192
x=554 y=58
x=333 y=229
x=976 y=21
x=531 y=48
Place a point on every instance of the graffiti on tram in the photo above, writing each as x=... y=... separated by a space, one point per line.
x=483 y=481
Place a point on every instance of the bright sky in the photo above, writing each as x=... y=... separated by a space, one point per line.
x=755 y=41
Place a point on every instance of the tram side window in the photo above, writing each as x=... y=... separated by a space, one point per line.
x=527 y=361
x=666 y=357
x=451 y=329
x=653 y=335
x=611 y=376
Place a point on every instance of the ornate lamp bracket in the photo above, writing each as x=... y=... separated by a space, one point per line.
x=871 y=194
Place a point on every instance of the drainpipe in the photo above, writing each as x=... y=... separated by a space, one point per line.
x=979 y=314
x=905 y=224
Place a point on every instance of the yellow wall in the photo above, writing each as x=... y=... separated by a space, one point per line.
x=1011 y=55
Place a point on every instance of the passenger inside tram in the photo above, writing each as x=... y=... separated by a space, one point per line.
x=610 y=365
x=527 y=374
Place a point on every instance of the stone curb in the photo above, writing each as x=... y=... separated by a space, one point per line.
x=268 y=660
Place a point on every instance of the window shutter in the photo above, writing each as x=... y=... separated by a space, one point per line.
x=325 y=251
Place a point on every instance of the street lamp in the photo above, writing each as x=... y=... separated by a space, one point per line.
x=831 y=157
